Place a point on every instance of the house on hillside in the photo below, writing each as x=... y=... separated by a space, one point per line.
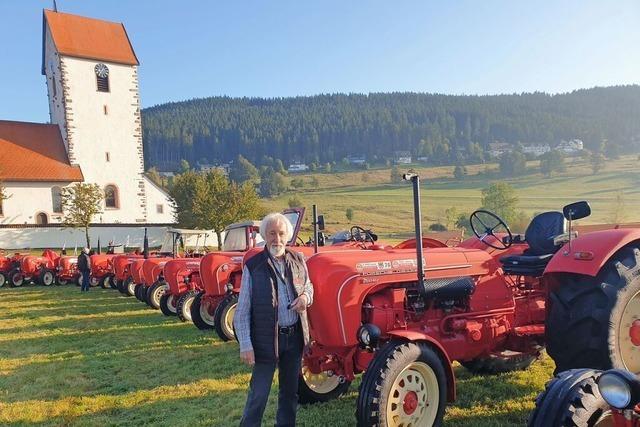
x=536 y=149
x=356 y=160
x=570 y=147
x=402 y=157
x=497 y=149
x=297 y=167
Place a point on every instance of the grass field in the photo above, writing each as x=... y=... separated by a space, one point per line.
x=387 y=208
x=98 y=358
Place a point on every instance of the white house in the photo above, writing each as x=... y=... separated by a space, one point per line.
x=297 y=167
x=94 y=134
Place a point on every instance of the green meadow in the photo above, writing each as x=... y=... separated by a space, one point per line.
x=388 y=208
x=99 y=358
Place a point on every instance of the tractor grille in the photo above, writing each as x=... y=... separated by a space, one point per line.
x=451 y=287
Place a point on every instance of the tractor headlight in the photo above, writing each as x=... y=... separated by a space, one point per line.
x=620 y=389
x=368 y=335
x=229 y=287
x=187 y=280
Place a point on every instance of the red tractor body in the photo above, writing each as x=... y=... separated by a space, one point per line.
x=67 y=270
x=121 y=266
x=35 y=268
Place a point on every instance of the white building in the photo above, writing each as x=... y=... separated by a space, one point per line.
x=536 y=149
x=297 y=167
x=95 y=134
x=570 y=147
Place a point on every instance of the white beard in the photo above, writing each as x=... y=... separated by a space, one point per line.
x=276 y=251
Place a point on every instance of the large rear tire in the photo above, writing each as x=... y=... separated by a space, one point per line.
x=507 y=361
x=16 y=278
x=405 y=384
x=183 y=306
x=168 y=304
x=46 y=277
x=155 y=292
x=223 y=317
x=592 y=321
x=571 y=399
x=202 y=312
x=112 y=282
x=314 y=388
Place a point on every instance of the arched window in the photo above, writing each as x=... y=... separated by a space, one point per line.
x=56 y=199
x=42 y=218
x=111 y=197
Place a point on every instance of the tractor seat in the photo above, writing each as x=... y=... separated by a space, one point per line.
x=539 y=236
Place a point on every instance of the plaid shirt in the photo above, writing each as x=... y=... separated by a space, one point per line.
x=286 y=317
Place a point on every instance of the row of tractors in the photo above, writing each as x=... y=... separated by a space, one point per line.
x=400 y=315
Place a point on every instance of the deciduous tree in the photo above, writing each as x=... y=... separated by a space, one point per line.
x=80 y=203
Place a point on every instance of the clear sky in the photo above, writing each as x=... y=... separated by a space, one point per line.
x=193 y=49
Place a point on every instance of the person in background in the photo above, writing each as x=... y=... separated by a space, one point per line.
x=271 y=322
x=84 y=266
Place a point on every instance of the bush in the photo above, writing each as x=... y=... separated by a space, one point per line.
x=349 y=214
x=436 y=226
x=294 y=202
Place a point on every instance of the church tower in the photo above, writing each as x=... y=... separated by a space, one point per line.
x=91 y=74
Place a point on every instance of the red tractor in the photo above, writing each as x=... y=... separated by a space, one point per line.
x=181 y=284
x=40 y=269
x=121 y=265
x=102 y=271
x=6 y=265
x=67 y=270
x=149 y=275
x=402 y=316
x=590 y=398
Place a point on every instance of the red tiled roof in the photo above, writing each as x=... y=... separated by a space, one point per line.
x=90 y=38
x=34 y=152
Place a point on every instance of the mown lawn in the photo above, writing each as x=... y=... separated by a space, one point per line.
x=98 y=358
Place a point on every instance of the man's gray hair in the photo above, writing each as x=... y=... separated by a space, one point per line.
x=274 y=218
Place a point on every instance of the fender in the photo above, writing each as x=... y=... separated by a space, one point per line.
x=448 y=368
x=602 y=244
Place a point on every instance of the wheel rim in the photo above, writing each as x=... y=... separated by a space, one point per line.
x=320 y=383
x=629 y=334
x=17 y=279
x=228 y=320
x=206 y=316
x=171 y=303
x=2 y=280
x=93 y=281
x=413 y=397
x=62 y=281
x=160 y=290
x=186 y=308
x=131 y=288
x=47 y=278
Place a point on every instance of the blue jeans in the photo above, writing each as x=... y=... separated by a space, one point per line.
x=289 y=364
x=85 y=281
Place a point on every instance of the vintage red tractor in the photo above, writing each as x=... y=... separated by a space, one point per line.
x=589 y=398
x=67 y=270
x=181 y=284
x=149 y=274
x=6 y=265
x=492 y=303
x=40 y=269
x=102 y=271
x=121 y=265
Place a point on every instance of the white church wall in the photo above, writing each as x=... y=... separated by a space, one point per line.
x=155 y=198
x=54 y=86
x=103 y=133
x=26 y=200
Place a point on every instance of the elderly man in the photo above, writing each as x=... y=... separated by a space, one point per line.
x=271 y=321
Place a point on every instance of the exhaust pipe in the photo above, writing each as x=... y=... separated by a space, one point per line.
x=415 y=180
x=315 y=229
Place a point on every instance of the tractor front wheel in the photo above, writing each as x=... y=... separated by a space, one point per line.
x=94 y=281
x=572 y=399
x=506 y=361
x=3 y=279
x=202 y=312
x=16 y=278
x=404 y=385
x=79 y=279
x=60 y=281
x=155 y=292
x=113 y=282
x=130 y=286
x=120 y=286
x=168 y=304
x=322 y=387
x=223 y=317
x=139 y=292
x=47 y=277
x=592 y=322
x=104 y=282
x=183 y=306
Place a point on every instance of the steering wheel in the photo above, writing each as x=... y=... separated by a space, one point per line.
x=359 y=234
x=299 y=241
x=485 y=224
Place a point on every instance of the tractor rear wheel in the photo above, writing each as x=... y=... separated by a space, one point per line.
x=168 y=304
x=16 y=278
x=201 y=312
x=314 y=388
x=507 y=361
x=46 y=277
x=155 y=292
x=223 y=317
x=571 y=399
x=130 y=286
x=592 y=322
x=183 y=306
x=405 y=385
x=3 y=279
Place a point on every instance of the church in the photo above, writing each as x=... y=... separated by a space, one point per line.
x=94 y=134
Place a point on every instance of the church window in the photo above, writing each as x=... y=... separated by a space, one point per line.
x=53 y=80
x=160 y=209
x=42 y=218
x=1 y=213
x=56 y=198
x=105 y=109
x=111 y=197
x=107 y=156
